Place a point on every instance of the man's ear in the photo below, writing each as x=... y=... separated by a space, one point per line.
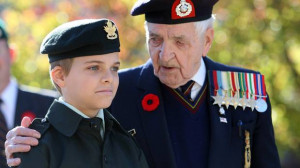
x=208 y=39
x=58 y=76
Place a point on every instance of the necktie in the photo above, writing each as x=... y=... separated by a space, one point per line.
x=187 y=88
x=96 y=123
x=3 y=131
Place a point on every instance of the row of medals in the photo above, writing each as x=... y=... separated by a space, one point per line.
x=259 y=104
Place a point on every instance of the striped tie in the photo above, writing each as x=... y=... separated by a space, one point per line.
x=187 y=89
x=3 y=131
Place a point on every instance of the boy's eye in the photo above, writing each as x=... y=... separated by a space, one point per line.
x=94 y=68
x=116 y=68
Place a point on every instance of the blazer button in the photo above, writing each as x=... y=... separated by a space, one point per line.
x=105 y=158
x=93 y=125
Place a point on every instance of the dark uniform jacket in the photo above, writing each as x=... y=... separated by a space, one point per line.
x=70 y=141
x=32 y=104
x=226 y=148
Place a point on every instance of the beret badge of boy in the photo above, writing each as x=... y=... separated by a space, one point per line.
x=183 y=9
x=111 y=30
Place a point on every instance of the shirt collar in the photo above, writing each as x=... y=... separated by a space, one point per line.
x=9 y=98
x=199 y=77
x=99 y=115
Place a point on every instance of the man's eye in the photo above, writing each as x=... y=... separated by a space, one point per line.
x=155 y=41
x=179 y=43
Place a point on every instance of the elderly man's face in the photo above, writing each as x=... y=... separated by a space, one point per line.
x=176 y=52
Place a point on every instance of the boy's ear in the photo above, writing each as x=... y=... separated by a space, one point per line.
x=58 y=76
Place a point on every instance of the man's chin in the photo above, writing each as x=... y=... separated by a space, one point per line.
x=170 y=83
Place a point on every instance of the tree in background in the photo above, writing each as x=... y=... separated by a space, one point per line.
x=258 y=34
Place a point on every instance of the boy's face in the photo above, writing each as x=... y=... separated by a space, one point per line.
x=92 y=82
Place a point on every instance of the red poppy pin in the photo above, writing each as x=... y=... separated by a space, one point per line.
x=29 y=114
x=150 y=102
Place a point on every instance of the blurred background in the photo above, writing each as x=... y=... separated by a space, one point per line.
x=258 y=34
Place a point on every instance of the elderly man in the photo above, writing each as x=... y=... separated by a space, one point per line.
x=184 y=109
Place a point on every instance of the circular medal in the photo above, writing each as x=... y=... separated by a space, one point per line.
x=222 y=111
x=261 y=105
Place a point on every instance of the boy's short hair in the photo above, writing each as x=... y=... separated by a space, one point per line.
x=66 y=65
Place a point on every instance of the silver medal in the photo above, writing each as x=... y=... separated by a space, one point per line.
x=261 y=105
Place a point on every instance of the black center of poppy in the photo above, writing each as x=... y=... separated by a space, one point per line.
x=149 y=102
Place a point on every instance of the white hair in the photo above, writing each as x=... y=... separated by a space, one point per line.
x=200 y=26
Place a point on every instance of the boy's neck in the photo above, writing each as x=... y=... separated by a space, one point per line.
x=83 y=113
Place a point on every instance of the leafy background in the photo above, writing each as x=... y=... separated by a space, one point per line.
x=256 y=34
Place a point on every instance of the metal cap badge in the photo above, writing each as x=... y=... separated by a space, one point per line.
x=110 y=29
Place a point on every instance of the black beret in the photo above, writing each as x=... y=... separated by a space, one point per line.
x=3 y=34
x=173 y=11
x=81 y=38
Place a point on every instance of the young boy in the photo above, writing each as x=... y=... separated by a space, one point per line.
x=77 y=131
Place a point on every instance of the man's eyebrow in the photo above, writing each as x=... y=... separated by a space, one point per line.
x=153 y=34
x=180 y=37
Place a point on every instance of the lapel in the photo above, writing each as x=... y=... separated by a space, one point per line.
x=19 y=107
x=154 y=122
x=220 y=132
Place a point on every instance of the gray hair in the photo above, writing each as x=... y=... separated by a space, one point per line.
x=200 y=26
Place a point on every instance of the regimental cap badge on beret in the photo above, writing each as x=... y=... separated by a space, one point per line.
x=110 y=29
x=183 y=8
x=173 y=11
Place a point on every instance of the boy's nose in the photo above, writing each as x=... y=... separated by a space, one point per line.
x=107 y=77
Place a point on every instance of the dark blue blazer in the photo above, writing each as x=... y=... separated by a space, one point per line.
x=36 y=103
x=226 y=148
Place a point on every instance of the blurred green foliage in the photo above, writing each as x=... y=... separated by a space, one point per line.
x=259 y=34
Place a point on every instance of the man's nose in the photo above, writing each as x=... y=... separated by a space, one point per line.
x=166 y=52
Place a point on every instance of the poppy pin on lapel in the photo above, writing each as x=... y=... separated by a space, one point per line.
x=150 y=102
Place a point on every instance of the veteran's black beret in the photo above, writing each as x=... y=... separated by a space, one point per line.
x=173 y=11
x=3 y=33
x=81 y=38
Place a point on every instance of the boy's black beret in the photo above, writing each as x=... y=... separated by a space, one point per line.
x=81 y=38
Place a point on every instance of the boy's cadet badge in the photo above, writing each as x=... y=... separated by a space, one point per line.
x=238 y=89
x=110 y=29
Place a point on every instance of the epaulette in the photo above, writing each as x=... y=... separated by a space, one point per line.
x=238 y=89
x=40 y=124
